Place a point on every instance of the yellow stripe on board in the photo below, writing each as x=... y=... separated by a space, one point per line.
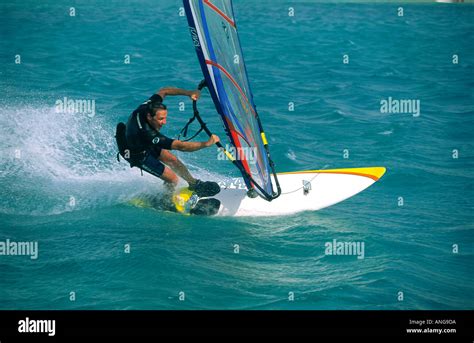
x=375 y=173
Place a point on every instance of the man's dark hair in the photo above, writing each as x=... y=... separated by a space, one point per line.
x=155 y=106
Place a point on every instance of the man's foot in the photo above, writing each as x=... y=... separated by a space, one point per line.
x=205 y=188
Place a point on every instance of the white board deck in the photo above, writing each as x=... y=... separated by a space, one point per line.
x=327 y=187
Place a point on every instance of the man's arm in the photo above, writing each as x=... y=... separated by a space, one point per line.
x=193 y=94
x=193 y=146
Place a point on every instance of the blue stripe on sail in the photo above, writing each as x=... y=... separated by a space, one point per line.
x=222 y=100
x=217 y=73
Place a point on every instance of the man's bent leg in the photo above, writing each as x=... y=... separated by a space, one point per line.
x=153 y=166
x=201 y=188
x=178 y=166
x=170 y=179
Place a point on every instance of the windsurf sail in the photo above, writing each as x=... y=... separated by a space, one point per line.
x=214 y=34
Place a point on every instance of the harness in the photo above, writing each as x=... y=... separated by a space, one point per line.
x=134 y=159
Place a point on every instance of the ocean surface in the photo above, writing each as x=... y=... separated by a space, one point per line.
x=62 y=187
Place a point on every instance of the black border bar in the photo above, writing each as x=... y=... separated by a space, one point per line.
x=94 y=323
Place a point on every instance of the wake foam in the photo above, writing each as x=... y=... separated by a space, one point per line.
x=57 y=162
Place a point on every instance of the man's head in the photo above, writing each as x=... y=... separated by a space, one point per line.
x=157 y=115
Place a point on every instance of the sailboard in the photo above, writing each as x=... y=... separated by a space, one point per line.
x=308 y=190
x=214 y=34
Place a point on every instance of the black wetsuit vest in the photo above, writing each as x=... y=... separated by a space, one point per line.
x=141 y=137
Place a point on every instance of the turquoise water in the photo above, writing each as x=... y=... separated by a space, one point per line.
x=62 y=187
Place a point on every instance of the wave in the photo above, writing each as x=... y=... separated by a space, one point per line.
x=58 y=162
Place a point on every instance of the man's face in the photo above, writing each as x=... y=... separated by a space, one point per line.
x=159 y=119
